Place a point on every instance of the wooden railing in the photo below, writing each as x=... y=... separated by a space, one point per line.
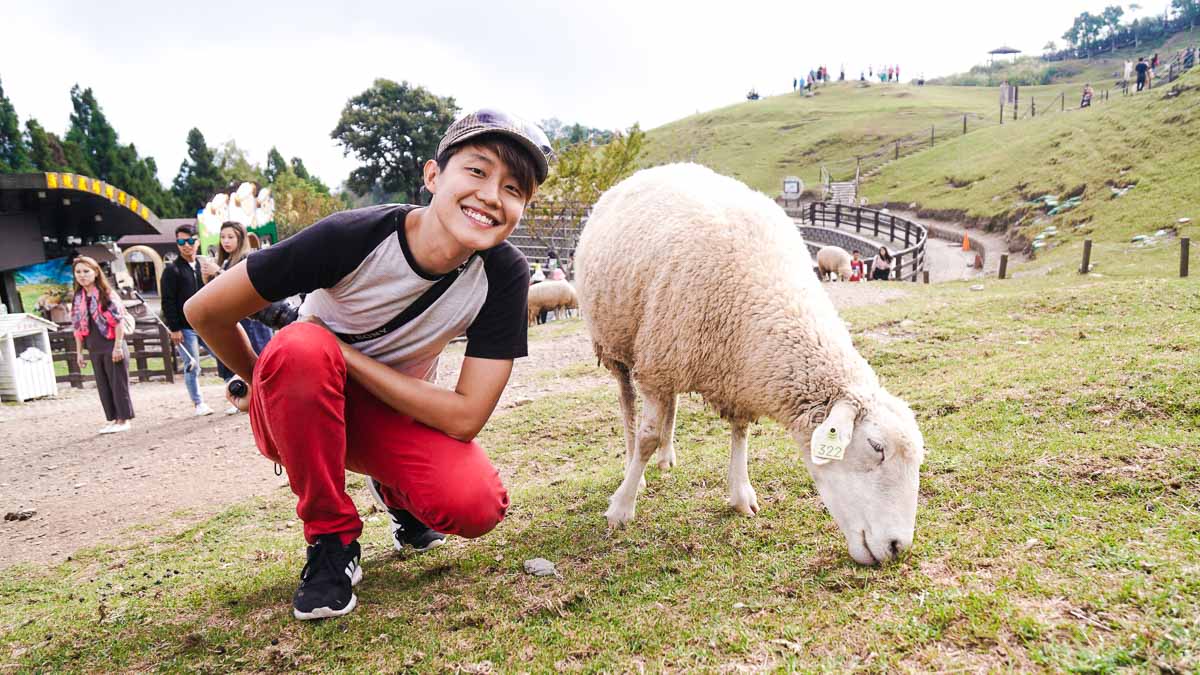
x=907 y=264
x=150 y=340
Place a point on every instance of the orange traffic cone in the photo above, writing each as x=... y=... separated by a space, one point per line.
x=966 y=242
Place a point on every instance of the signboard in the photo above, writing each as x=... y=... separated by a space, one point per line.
x=792 y=186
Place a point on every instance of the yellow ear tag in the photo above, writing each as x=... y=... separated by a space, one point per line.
x=827 y=447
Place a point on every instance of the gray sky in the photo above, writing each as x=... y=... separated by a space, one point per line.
x=273 y=73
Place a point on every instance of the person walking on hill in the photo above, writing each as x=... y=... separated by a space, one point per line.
x=1143 y=69
x=180 y=281
x=1086 y=101
x=96 y=321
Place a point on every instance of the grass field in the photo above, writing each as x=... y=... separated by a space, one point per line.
x=1059 y=528
x=1150 y=141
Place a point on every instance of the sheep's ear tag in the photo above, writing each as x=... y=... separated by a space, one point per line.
x=828 y=445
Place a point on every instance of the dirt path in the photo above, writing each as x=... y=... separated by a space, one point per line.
x=948 y=262
x=174 y=469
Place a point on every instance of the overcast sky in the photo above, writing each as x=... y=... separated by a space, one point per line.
x=274 y=73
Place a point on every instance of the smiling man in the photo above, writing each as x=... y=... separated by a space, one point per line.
x=350 y=387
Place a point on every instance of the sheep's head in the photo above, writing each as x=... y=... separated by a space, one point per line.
x=871 y=491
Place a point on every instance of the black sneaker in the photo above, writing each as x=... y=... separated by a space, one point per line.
x=326 y=583
x=406 y=529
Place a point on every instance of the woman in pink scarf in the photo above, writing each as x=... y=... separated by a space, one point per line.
x=96 y=319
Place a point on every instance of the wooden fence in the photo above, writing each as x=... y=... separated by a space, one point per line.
x=909 y=262
x=149 y=340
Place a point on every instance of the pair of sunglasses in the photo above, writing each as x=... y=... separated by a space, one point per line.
x=187 y=242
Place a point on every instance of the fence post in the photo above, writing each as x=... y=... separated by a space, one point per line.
x=73 y=365
x=857 y=220
x=899 y=266
x=876 y=224
x=1032 y=107
x=930 y=135
x=897 y=149
x=812 y=213
x=1184 y=245
x=1063 y=100
x=137 y=344
x=1001 y=113
x=964 y=124
x=1087 y=256
x=1003 y=264
x=1016 y=101
x=925 y=275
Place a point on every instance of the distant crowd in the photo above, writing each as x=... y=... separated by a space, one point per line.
x=820 y=75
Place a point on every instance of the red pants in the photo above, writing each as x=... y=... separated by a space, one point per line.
x=307 y=416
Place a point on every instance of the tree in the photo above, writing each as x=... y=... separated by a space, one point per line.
x=583 y=172
x=45 y=149
x=298 y=203
x=392 y=129
x=14 y=157
x=1187 y=9
x=302 y=173
x=1112 y=20
x=93 y=134
x=199 y=177
x=1050 y=47
x=275 y=165
x=235 y=165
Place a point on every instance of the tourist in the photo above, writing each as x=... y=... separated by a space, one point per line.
x=180 y=281
x=1143 y=70
x=234 y=247
x=881 y=270
x=856 y=266
x=1086 y=101
x=351 y=386
x=96 y=314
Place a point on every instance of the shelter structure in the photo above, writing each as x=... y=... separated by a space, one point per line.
x=1001 y=51
x=45 y=216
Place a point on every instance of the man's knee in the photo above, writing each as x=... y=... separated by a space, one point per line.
x=300 y=347
x=472 y=510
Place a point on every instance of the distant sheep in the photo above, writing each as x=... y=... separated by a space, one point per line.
x=691 y=282
x=551 y=295
x=833 y=259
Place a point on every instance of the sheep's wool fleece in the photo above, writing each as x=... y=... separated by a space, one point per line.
x=695 y=282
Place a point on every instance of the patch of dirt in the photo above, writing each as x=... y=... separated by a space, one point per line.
x=174 y=469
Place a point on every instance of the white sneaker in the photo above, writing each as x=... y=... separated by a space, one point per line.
x=107 y=428
x=202 y=409
x=118 y=428
x=232 y=410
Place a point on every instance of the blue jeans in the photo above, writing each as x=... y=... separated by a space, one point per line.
x=191 y=374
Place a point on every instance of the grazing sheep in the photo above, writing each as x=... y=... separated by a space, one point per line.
x=833 y=259
x=551 y=295
x=691 y=282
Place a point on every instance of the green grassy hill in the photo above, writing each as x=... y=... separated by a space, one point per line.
x=1150 y=141
x=762 y=141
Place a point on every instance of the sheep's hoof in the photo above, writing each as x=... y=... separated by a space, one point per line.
x=744 y=501
x=666 y=460
x=642 y=482
x=618 y=516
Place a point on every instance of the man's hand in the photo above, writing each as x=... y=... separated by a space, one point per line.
x=241 y=403
x=177 y=337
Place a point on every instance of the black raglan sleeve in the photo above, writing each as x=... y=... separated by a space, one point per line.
x=501 y=330
x=323 y=254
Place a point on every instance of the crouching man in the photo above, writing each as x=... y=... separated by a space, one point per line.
x=350 y=386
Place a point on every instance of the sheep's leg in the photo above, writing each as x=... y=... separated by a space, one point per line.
x=628 y=412
x=666 y=451
x=650 y=437
x=741 y=494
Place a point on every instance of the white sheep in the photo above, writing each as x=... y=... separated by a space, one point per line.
x=691 y=282
x=833 y=259
x=551 y=295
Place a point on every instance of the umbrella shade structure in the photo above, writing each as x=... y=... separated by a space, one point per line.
x=1001 y=51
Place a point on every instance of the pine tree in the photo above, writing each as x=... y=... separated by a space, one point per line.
x=45 y=149
x=14 y=157
x=93 y=134
x=199 y=177
x=275 y=165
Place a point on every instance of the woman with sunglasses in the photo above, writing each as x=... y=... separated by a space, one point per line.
x=96 y=319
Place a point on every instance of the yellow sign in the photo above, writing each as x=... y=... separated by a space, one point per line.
x=68 y=181
x=133 y=204
x=108 y=191
x=52 y=181
x=121 y=197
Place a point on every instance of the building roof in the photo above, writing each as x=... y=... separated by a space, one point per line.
x=1005 y=50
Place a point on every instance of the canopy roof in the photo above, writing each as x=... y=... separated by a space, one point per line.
x=1005 y=50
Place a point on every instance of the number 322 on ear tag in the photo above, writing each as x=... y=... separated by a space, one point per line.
x=827 y=447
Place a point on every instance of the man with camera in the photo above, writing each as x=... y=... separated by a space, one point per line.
x=180 y=281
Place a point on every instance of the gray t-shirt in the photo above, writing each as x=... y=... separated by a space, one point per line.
x=359 y=273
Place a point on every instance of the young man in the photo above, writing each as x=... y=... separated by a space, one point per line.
x=350 y=385
x=1142 y=69
x=180 y=281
